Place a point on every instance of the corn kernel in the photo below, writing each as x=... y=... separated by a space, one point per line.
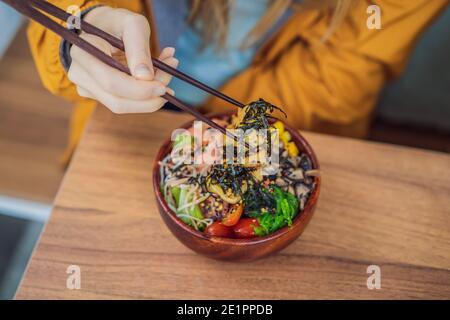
x=279 y=126
x=292 y=149
x=286 y=136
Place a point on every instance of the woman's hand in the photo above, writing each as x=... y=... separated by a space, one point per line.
x=120 y=92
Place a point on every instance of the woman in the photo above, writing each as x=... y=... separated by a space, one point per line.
x=316 y=59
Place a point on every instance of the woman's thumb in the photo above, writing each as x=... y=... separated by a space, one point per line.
x=136 y=38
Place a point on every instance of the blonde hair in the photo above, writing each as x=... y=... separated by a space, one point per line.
x=212 y=18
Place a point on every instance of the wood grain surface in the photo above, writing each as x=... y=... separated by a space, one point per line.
x=379 y=205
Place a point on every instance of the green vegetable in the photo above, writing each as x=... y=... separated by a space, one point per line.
x=180 y=199
x=181 y=139
x=176 y=194
x=286 y=206
x=256 y=198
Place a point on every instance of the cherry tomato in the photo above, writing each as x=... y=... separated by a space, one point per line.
x=245 y=228
x=217 y=229
x=233 y=215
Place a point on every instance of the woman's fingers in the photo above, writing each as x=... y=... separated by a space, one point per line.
x=166 y=56
x=122 y=106
x=136 y=38
x=171 y=92
x=122 y=93
x=164 y=77
x=167 y=53
x=112 y=80
x=90 y=89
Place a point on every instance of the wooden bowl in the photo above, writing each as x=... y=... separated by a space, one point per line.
x=236 y=249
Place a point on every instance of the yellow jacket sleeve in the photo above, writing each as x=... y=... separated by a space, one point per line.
x=45 y=47
x=333 y=87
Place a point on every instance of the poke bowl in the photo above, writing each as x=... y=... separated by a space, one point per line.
x=233 y=212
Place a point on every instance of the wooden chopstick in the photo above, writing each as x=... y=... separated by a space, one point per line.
x=117 y=43
x=74 y=39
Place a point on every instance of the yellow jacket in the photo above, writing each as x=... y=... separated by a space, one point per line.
x=331 y=87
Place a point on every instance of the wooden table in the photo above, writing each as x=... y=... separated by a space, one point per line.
x=380 y=205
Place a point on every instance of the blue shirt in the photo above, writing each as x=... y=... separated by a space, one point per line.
x=211 y=66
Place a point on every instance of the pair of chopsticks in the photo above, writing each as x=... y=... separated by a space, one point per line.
x=28 y=8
